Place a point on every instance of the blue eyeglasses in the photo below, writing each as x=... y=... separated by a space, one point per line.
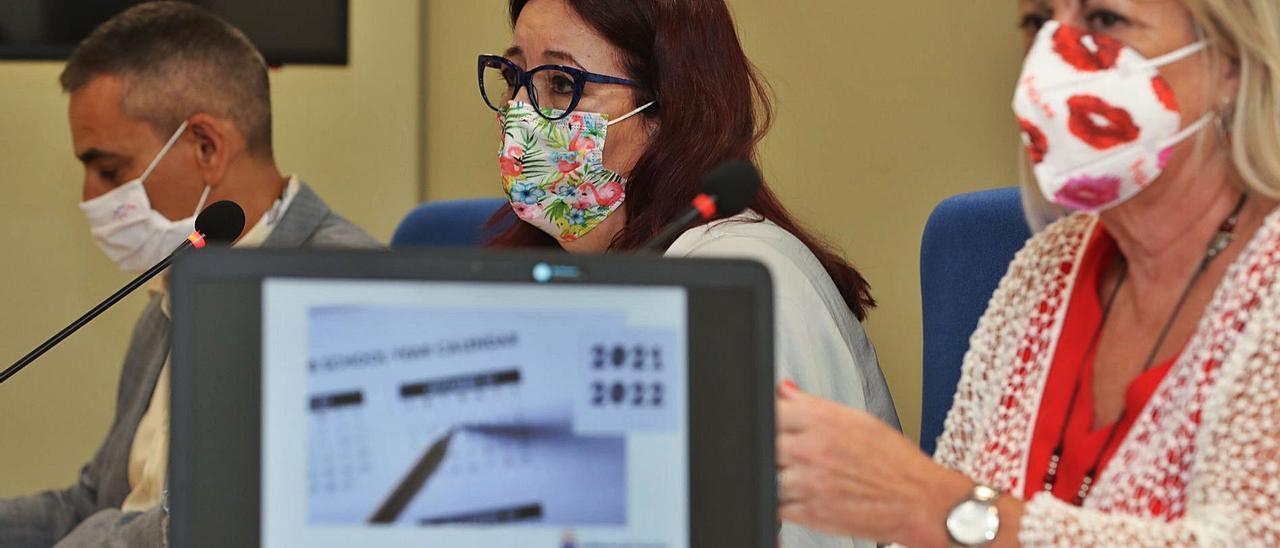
x=550 y=86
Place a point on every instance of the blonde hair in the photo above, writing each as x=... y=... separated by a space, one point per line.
x=1247 y=34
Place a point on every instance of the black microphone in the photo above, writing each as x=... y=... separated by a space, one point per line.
x=221 y=222
x=726 y=190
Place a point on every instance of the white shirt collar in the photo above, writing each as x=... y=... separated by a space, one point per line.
x=255 y=237
x=261 y=230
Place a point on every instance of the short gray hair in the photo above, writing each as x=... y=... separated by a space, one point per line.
x=177 y=60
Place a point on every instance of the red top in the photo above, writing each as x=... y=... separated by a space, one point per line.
x=1082 y=444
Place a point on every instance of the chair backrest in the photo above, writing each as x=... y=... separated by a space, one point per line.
x=967 y=246
x=450 y=223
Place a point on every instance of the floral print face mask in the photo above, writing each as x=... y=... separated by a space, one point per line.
x=1098 y=120
x=552 y=170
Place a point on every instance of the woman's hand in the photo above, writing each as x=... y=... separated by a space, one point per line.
x=845 y=472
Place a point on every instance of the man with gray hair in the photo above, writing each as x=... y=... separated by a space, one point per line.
x=170 y=109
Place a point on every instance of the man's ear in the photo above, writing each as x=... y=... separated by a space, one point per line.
x=216 y=140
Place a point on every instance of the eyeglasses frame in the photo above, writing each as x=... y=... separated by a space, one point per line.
x=524 y=79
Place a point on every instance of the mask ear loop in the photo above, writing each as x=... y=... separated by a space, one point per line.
x=160 y=155
x=1188 y=131
x=1178 y=54
x=1173 y=57
x=203 y=196
x=163 y=150
x=630 y=114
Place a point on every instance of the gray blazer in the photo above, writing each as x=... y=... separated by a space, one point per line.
x=88 y=513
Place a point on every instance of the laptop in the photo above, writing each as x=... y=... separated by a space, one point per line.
x=470 y=398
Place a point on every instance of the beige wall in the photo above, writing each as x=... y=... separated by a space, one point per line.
x=884 y=108
x=352 y=132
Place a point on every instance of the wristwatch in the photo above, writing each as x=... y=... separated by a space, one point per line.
x=975 y=521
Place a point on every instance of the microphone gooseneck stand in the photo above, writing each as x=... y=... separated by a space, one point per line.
x=92 y=313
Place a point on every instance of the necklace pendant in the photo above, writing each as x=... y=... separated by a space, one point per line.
x=1220 y=242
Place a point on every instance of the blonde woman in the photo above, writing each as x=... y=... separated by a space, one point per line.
x=1123 y=387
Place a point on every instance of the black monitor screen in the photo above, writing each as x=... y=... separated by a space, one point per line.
x=286 y=31
x=560 y=400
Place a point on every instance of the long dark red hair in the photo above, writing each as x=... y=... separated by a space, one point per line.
x=712 y=105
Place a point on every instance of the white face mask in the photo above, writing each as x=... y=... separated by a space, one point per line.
x=124 y=226
x=1098 y=120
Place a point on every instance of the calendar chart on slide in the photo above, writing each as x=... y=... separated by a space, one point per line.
x=504 y=416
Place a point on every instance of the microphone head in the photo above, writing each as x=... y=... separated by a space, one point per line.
x=221 y=222
x=733 y=184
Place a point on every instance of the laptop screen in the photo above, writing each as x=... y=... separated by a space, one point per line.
x=410 y=413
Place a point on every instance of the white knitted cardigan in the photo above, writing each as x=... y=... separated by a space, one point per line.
x=1200 y=466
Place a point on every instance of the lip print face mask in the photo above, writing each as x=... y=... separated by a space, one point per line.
x=1098 y=121
x=552 y=171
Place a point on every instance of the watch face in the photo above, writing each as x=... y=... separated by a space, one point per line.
x=972 y=523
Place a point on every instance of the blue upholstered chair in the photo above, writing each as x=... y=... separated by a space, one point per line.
x=967 y=246
x=450 y=223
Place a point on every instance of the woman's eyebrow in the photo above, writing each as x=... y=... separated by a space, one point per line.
x=564 y=57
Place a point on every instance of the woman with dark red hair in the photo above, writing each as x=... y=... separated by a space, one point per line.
x=670 y=87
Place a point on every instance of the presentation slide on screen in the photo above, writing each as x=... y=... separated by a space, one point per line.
x=469 y=414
